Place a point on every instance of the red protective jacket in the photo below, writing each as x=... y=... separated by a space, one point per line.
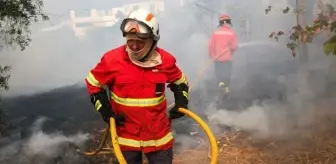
x=222 y=44
x=139 y=94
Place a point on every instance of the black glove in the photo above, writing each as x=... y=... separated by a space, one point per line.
x=102 y=104
x=181 y=99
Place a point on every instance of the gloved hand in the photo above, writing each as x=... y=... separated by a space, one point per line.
x=174 y=113
x=181 y=99
x=102 y=104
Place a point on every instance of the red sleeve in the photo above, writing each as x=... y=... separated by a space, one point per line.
x=234 y=43
x=211 y=45
x=99 y=76
x=175 y=75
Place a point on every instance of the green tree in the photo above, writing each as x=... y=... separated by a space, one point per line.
x=4 y=76
x=306 y=34
x=16 y=17
x=322 y=28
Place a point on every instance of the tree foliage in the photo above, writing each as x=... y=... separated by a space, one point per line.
x=16 y=16
x=4 y=76
x=306 y=34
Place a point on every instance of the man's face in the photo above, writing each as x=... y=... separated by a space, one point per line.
x=138 y=46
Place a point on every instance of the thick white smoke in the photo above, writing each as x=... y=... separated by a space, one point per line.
x=41 y=147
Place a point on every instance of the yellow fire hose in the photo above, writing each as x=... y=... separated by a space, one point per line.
x=118 y=154
x=114 y=138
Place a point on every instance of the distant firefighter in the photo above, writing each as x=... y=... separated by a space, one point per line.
x=222 y=45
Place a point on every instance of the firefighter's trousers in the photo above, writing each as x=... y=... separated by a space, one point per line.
x=157 y=157
x=223 y=73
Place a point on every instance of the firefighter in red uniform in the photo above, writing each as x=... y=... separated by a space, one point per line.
x=223 y=43
x=136 y=74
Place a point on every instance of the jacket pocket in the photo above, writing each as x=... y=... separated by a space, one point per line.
x=158 y=83
x=157 y=77
x=160 y=125
x=124 y=80
x=129 y=128
x=124 y=85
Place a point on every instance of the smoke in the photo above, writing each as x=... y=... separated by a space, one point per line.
x=270 y=95
x=56 y=57
x=41 y=147
x=262 y=120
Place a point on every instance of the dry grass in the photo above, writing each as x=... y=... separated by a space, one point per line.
x=313 y=144
x=237 y=151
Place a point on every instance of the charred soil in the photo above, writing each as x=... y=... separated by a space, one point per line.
x=314 y=143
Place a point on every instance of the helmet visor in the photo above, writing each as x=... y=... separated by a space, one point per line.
x=140 y=29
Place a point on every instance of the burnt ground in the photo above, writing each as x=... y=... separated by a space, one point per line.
x=313 y=143
x=68 y=110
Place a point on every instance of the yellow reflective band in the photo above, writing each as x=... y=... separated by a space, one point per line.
x=136 y=143
x=92 y=80
x=185 y=94
x=98 y=105
x=137 y=102
x=183 y=79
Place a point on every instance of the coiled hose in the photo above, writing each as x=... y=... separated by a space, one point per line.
x=118 y=154
x=114 y=138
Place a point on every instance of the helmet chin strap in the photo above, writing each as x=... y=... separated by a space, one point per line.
x=143 y=59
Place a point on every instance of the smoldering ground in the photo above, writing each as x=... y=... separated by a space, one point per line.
x=279 y=100
x=64 y=131
x=41 y=147
x=42 y=134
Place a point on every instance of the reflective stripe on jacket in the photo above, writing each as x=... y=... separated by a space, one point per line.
x=139 y=94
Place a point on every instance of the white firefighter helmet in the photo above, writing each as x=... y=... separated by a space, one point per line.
x=142 y=23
